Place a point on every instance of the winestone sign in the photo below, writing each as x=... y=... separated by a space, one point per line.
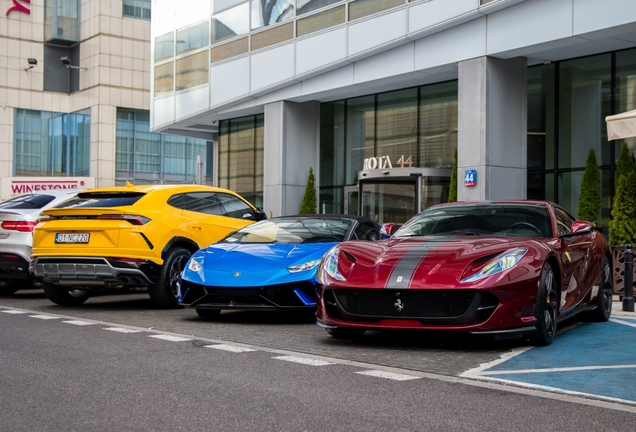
x=18 y=185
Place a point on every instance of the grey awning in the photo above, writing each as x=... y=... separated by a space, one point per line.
x=621 y=125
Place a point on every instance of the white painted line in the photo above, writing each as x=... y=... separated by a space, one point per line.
x=79 y=323
x=627 y=323
x=477 y=372
x=303 y=360
x=548 y=370
x=388 y=375
x=121 y=330
x=170 y=338
x=13 y=311
x=231 y=348
x=44 y=317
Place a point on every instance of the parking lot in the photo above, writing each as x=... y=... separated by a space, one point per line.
x=594 y=360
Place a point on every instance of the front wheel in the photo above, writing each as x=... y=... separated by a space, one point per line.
x=166 y=293
x=546 y=309
x=603 y=300
x=64 y=296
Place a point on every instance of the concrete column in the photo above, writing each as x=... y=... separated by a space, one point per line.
x=492 y=128
x=292 y=133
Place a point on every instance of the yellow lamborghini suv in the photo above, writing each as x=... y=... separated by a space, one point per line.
x=131 y=238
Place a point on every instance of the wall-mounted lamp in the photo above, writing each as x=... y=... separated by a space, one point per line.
x=32 y=63
x=67 y=62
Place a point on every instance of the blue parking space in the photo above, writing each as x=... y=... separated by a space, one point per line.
x=596 y=359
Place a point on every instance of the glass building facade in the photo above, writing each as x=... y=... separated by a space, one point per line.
x=51 y=143
x=241 y=157
x=144 y=157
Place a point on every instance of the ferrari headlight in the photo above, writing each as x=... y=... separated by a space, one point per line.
x=195 y=265
x=330 y=264
x=303 y=267
x=500 y=263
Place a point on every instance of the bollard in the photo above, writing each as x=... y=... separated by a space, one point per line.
x=628 y=294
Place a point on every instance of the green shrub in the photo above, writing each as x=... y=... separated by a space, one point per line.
x=308 y=205
x=589 y=206
x=452 y=190
x=622 y=227
x=625 y=163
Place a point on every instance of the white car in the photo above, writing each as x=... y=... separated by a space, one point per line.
x=18 y=216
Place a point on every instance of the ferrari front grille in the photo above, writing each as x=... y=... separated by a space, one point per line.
x=449 y=306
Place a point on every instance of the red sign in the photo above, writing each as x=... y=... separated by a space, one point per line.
x=25 y=186
x=20 y=7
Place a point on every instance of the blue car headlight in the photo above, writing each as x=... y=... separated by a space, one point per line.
x=194 y=265
x=303 y=267
x=330 y=265
x=500 y=263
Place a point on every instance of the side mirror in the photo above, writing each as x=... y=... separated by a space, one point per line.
x=580 y=225
x=259 y=214
x=388 y=228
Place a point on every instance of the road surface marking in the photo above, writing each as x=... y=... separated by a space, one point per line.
x=13 y=311
x=627 y=323
x=303 y=360
x=388 y=375
x=170 y=338
x=231 y=348
x=121 y=330
x=44 y=317
x=79 y=323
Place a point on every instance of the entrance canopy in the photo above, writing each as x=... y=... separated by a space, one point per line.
x=621 y=125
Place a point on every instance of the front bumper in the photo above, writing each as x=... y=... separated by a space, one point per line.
x=88 y=271
x=291 y=296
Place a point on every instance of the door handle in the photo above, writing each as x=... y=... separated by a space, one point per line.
x=196 y=226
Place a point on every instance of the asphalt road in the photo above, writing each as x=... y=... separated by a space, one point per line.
x=61 y=372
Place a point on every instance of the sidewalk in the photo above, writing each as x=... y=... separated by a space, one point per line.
x=617 y=309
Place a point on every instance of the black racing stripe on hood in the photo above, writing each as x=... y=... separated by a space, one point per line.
x=402 y=273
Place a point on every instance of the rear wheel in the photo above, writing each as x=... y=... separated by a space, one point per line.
x=166 y=293
x=546 y=309
x=345 y=333
x=603 y=300
x=64 y=296
x=208 y=313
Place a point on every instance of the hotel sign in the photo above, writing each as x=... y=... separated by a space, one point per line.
x=18 y=6
x=17 y=185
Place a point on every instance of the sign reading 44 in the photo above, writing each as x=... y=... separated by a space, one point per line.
x=470 y=177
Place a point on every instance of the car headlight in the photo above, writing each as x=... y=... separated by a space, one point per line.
x=195 y=265
x=500 y=263
x=330 y=265
x=303 y=267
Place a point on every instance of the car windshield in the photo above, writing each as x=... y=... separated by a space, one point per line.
x=480 y=219
x=293 y=231
x=26 y=202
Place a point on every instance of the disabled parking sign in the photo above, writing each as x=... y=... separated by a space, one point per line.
x=470 y=177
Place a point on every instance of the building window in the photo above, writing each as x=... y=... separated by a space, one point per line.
x=51 y=143
x=136 y=8
x=144 y=157
x=61 y=21
x=241 y=157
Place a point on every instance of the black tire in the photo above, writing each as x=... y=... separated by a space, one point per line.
x=208 y=313
x=64 y=296
x=8 y=288
x=546 y=309
x=166 y=293
x=603 y=300
x=346 y=333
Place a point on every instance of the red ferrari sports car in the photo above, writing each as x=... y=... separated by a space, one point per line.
x=507 y=268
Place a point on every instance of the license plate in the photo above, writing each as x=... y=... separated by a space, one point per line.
x=71 y=238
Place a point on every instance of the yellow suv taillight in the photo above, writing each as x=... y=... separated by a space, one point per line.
x=133 y=219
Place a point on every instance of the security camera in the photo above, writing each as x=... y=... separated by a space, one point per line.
x=32 y=61
x=65 y=61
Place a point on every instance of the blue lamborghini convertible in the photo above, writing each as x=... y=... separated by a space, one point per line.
x=271 y=264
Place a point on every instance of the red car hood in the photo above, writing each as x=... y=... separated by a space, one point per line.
x=425 y=262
